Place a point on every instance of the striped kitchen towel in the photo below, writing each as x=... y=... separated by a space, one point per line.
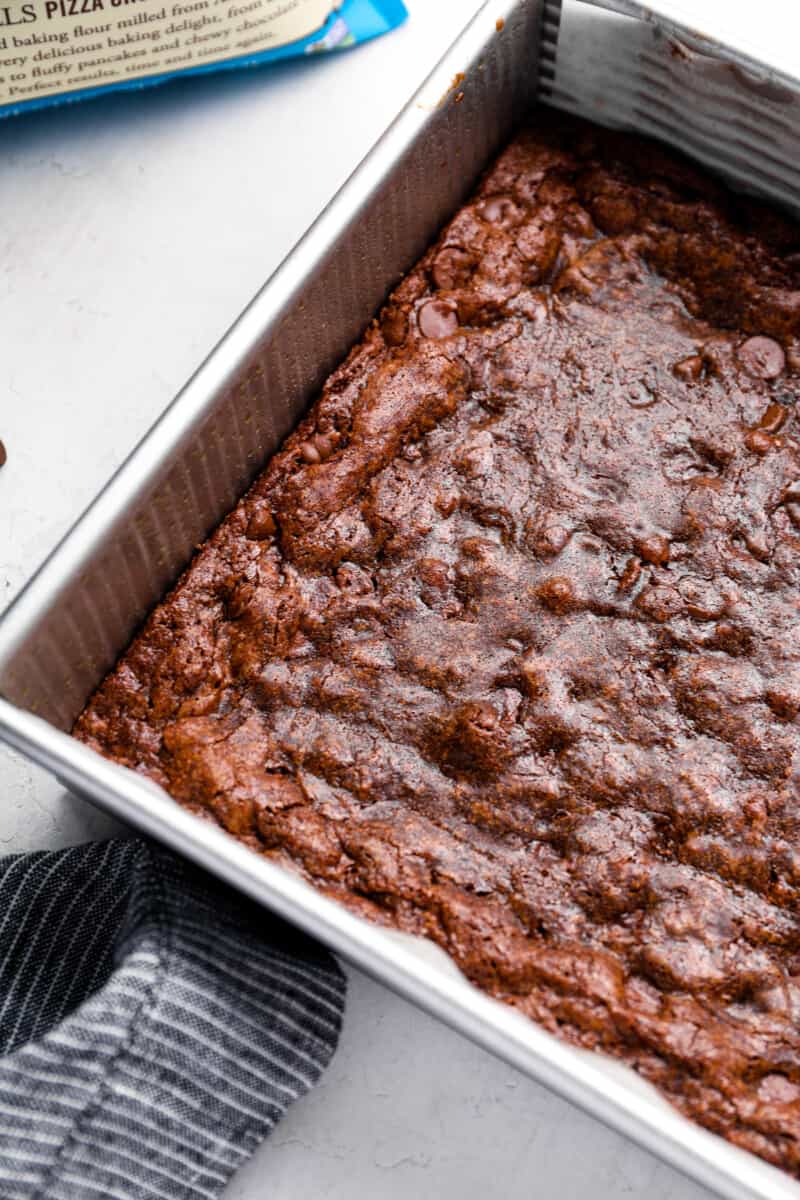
x=154 y=1026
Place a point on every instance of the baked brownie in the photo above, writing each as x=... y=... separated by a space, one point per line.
x=503 y=647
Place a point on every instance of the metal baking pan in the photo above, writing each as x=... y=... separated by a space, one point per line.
x=642 y=68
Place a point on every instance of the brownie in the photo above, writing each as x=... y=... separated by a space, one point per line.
x=503 y=646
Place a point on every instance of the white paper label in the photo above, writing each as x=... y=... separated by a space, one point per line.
x=55 y=46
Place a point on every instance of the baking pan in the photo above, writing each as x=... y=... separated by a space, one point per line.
x=642 y=68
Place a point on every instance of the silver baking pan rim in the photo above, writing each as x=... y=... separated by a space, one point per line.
x=415 y=969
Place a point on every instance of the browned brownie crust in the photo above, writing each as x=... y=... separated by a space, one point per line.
x=503 y=647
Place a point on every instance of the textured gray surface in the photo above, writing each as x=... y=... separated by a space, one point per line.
x=131 y=965
x=133 y=232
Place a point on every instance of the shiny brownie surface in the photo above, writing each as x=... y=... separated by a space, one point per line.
x=503 y=646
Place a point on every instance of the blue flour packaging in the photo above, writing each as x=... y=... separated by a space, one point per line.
x=53 y=51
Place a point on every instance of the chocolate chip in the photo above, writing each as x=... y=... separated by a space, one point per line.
x=774 y=418
x=660 y=602
x=759 y=441
x=452 y=268
x=653 y=549
x=690 y=368
x=500 y=210
x=261 y=525
x=437 y=319
x=557 y=594
x=3 y=455
x=548 y=539
x=762 y=357
x=777 y=1089
x=309 y=453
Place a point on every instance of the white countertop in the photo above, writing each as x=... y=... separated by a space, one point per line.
x=133 y=231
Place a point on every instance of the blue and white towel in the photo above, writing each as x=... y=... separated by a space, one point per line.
x=154 y=1025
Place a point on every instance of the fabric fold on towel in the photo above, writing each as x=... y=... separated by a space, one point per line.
x=154 y=1025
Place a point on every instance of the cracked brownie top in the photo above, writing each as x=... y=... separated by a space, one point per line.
x=503 y=647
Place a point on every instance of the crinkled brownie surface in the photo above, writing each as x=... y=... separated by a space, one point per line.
x=503 y=647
